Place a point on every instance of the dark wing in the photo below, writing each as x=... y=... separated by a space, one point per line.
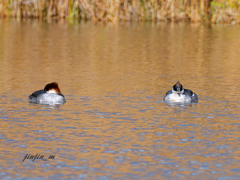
x=36 y=93
x=169 y=92
x=188 y=91
x=194 y=96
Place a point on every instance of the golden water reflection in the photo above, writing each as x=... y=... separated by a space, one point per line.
x=115 y=124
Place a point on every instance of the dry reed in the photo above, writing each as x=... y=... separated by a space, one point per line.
x=217 y=11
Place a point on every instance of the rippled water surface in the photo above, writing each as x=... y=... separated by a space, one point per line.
x=115 y=124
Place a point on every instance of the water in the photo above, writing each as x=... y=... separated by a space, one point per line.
x=115 y=124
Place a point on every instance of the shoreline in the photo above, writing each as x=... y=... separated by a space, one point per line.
x=116 y=11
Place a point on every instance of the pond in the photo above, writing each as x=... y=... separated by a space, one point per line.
x=115 y=124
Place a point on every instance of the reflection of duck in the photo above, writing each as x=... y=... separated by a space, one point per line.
x=180 y=95
x=50 y=95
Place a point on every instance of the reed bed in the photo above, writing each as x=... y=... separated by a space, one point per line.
x=216 y=11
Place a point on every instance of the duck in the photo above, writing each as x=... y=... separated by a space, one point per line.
x=51 y=94
x=180 y=95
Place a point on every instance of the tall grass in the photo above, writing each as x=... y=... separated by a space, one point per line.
x=217 y=11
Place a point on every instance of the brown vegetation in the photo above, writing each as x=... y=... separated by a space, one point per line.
x=125 y=10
